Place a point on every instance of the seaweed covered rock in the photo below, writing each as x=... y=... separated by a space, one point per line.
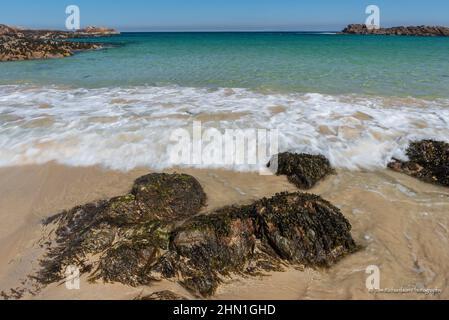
x=170 y=196
x=291 y=228
x=429 y=162
x=130 y=259
x=211 y=245
x=429 y=153
x=303 y=170
x=304 y=228
x=129 y=232
x=144 y=236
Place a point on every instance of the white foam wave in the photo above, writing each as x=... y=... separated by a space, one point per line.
x=124 y=128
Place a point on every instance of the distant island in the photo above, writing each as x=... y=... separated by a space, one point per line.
x=26 y=44
x=423 y=31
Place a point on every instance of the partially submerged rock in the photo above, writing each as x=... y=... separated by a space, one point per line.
x=428 y=161
x=303 y=170
x=155 y=233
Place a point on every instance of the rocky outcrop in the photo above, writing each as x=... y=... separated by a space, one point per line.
x=87 y=32
x=424 y=31
x=22 y=44
x=156 y=232
x=303 y=170
x=96 y=31
x=428 y=161
x=18 y=48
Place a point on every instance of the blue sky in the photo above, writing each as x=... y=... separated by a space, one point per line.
x=188 y=15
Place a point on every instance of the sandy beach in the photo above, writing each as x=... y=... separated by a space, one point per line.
x=137 y=165
x=400 y=223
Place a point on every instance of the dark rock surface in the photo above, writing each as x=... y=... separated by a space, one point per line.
x=304 y=228
x=424 y=31
x=162 y=193
x=429 y=162
x=303 y=170
x=295 y=228
x=155 y=233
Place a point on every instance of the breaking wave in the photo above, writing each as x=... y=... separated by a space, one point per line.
x=124 y=128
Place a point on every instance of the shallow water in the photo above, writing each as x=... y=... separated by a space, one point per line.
x=357 y=100
x=287 y=62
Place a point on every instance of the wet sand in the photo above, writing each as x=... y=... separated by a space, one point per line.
x=402 y=225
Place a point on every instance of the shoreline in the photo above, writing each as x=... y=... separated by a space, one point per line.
x=209 y=232
x=400 y=222
x=23 y=44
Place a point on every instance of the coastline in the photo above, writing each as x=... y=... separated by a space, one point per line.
x=23 y=44
x=400 y=222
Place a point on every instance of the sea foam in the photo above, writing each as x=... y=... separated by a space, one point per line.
x=125 y=128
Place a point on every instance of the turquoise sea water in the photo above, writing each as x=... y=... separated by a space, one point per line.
x=358 y=100
x=294 y=62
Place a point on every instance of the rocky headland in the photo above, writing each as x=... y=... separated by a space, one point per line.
x=21 y=44
x=423 y=31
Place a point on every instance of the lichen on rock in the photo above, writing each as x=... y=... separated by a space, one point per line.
x=303 y=170
x=428 y=161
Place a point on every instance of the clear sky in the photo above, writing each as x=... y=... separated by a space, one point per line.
x=188 y=15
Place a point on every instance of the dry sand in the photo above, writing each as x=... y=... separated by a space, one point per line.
x=401 y=223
